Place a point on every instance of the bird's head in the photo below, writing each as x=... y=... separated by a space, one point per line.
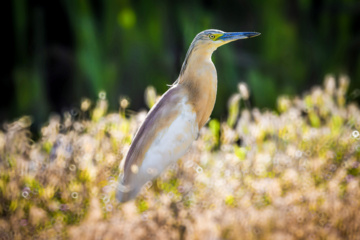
x=213 y=38
x=209 y=40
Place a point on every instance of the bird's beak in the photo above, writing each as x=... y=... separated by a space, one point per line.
x=232 y=36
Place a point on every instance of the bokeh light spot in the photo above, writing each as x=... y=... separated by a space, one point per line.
x=126 y=18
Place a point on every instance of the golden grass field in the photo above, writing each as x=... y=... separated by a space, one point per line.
x=260 y=174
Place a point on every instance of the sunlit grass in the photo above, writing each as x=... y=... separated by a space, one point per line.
x=291 y=174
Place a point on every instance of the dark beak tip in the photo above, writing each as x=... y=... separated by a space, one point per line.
x=254 y=34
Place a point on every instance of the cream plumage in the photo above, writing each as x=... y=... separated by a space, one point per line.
x=174 y=122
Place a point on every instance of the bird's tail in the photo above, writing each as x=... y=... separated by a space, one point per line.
x=124 y=192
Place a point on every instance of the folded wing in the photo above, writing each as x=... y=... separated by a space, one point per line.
x=165 y=135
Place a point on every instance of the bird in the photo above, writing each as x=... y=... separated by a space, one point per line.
x=174 y=122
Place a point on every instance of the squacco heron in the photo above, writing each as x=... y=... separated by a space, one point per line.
x=173 y=123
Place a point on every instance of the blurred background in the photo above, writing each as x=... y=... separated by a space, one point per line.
x=57 y=52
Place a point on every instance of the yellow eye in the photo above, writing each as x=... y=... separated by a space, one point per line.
x=211 y=36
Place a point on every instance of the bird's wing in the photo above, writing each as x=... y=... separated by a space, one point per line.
x=167 y=132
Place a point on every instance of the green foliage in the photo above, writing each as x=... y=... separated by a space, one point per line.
x=214 y=126
x=121 y=47
x=230 y=201
x=240 y=152
x=142 y=205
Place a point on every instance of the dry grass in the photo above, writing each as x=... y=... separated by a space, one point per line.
x=287 y=175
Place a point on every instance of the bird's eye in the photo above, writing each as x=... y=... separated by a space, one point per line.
x=211 y=36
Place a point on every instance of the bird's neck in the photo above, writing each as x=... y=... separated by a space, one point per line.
x=200 y=81
x=197 y=64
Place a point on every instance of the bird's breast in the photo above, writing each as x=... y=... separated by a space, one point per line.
x=202 y=87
